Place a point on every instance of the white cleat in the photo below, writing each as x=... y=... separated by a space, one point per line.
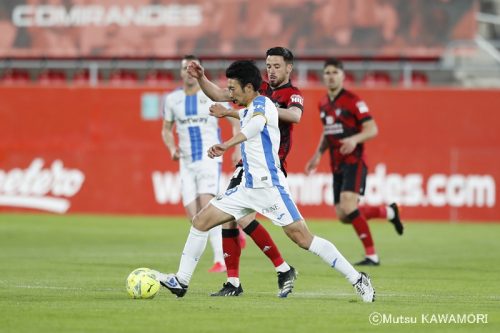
x=172 y=283
x=363 y=288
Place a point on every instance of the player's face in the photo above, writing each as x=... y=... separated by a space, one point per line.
x=186 y=78
x=278 y=72
x=333 y=77
x=240 y=96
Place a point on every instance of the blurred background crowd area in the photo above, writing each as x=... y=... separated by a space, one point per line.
x=401 y=43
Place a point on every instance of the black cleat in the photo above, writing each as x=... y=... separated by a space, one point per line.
x=396 y=221
x=173 y=284
x=286 y=282
x=367 y=262
x=229 y=290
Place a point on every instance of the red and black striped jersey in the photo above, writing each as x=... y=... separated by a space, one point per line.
x=285 y=97
x=343 y=117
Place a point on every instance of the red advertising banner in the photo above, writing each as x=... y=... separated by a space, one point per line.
x=229 y=28
x=99 y=150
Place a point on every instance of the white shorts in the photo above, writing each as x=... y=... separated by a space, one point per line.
x=200 y=177
x=275 y=203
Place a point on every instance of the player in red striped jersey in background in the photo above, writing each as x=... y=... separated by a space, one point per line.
x=347 y=124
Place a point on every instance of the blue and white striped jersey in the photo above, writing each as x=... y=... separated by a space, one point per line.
x=261 y=163
x=196 y=129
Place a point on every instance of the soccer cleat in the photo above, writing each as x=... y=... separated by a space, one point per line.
x=286 y=282
x=367 y=262
x=172 y=283
x=229 y=290
x=396 y=221
x=363 y=288
x=218 y=267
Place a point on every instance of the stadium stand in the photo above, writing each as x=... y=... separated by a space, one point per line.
x=51 y=77
x=122 y=77
x=15 y=76
x=158 y=78
x=376 y=79
x=82 y=77
x=417 y=79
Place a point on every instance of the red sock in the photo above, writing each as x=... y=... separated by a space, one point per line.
x=264 y=241
x=373 y=212
x=363 y=230
x=232 y=251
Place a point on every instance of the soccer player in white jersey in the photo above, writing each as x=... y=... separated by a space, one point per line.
x=188 y=109
x=264 y=188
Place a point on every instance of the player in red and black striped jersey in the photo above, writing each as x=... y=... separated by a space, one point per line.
x=347 y=124
x=289 y=101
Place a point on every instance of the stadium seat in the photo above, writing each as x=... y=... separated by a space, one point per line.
x=123 y=78
x=50 y=77
x=349 y=78
x=313 y=77
x=15 y=76
x=376 y=79
x=418 y=79
x=82 y=77
x=158 y=78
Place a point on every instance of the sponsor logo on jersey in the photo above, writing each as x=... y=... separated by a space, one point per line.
x=297 y=99
x=35 y=187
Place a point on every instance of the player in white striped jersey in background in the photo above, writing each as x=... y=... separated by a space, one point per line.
x=188 y=109
x=264 y=188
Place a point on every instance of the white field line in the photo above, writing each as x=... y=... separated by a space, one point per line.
x=301 y=294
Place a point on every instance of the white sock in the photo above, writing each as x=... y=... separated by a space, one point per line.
x=390 y=212
x=284 y=267
x=215 y=237
x=193 y=249
x=373 y=257
x=329 y=253
x=234 y=281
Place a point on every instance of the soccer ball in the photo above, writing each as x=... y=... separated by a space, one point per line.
x=142 y=283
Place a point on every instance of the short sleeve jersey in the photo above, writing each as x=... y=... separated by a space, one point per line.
x=259 y=153
x=285 y=97
x=196 y=129
x=341 y=118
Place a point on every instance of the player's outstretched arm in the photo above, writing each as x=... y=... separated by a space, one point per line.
x=290 y=115
x=220 y=149
x=219 y=111
x=213 y=91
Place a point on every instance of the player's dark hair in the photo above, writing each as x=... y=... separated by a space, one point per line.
x=191 y=57
x=281 y=51
x=334 y=62
x=245 y=71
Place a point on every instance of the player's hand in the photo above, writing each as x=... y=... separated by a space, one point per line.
x=313 y=163
x=176 y=154
x=217 y=150
x=347 y=146
x=217 y=110
x=195 y=70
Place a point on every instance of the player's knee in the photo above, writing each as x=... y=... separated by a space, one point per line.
x=200 y=223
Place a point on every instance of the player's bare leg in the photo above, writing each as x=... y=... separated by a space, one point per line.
x=300 y=234
x=232 y=252
x=194 y=247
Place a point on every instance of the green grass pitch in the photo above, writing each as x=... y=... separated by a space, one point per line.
x=67 y=274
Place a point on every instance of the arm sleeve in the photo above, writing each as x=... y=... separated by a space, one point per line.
x=254 y=126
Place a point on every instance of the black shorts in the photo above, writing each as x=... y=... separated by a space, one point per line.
x=350 y=178
x=238 y=174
